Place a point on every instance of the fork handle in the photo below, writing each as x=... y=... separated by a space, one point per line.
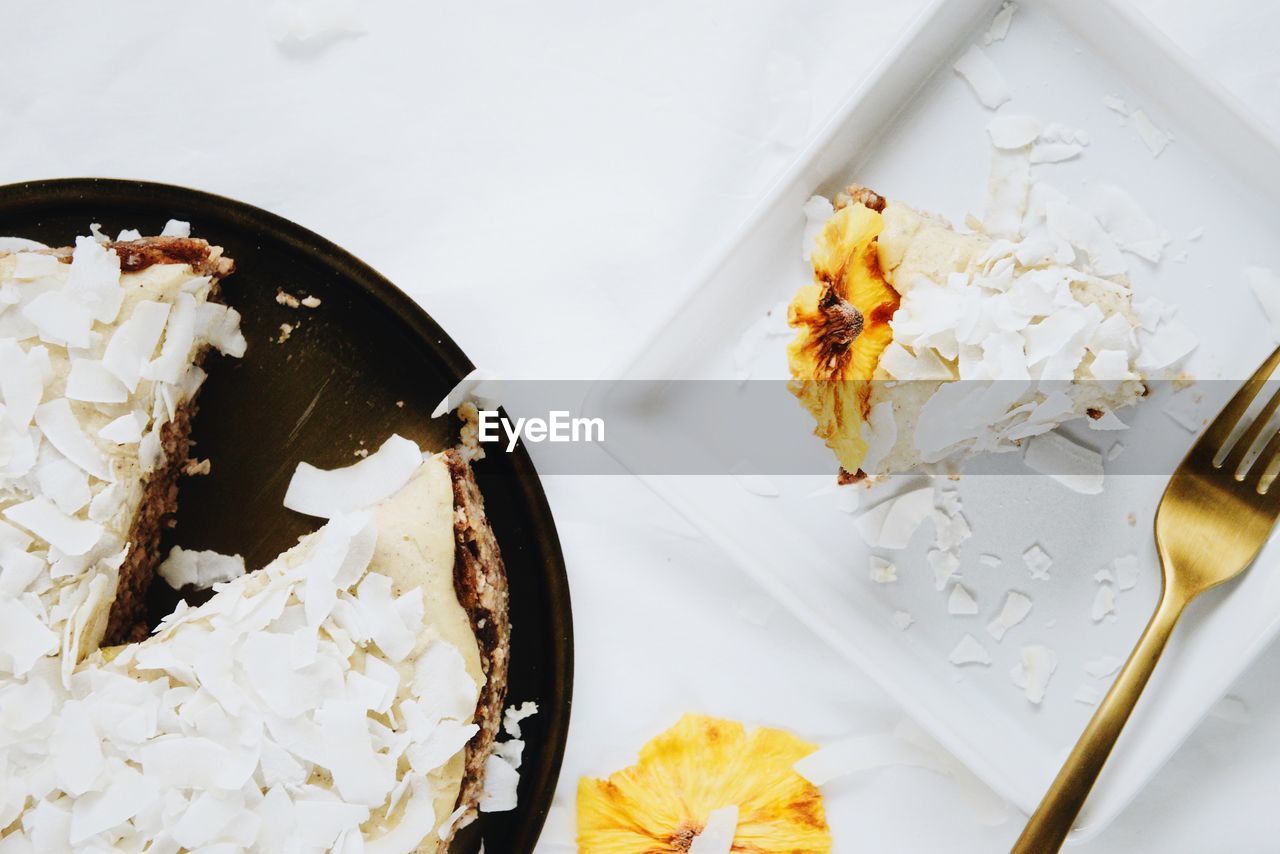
x=1052 y=820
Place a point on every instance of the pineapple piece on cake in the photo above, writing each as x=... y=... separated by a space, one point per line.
x=953 y=343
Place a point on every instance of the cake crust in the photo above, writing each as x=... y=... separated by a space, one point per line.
x=480 y=581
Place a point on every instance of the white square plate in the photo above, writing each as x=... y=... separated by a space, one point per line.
x=914 y=132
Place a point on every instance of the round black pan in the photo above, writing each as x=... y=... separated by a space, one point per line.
x=366 y=363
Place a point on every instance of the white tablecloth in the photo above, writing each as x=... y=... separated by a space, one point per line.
x=543 y=177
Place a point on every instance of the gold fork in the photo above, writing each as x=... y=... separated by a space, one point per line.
x=1214 y=517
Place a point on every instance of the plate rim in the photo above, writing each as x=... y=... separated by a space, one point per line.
x=120 y=191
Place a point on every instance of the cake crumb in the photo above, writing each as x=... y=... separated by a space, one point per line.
x=1131 y=519
x=191 y=468
x=287 y=299
x=469 y=435
x=362 y=452
x=400 y=404
x=311 y=302
x=286 y=329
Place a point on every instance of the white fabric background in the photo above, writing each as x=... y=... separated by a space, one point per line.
x=543 y=177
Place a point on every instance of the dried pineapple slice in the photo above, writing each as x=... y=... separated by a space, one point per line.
x=843 y=322
x=702 y=764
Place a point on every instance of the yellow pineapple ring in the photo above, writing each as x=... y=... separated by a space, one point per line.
x=843 y=322
x=660 y=804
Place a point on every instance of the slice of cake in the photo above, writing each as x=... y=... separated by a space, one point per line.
x=348 y=696
x=918 y=344
x=345 y=697
x=100 y=352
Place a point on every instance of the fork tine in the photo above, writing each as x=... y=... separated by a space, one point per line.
x=1263 y=462
x=1215 y=437
x=1247 y=439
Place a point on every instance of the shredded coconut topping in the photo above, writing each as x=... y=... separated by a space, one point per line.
x=302 y=707
x=93 y=364
x=304 y=701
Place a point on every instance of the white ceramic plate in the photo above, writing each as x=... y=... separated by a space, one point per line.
x=915 y=132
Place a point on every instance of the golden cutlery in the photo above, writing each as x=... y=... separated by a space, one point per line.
x=1216 y=513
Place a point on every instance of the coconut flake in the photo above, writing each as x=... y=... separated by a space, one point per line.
x=480 y=385
x=199 y=569
x=961 y=601
x=328 y=493
x=76 y=749
x=176 y=228
x=500 y=782
x=903 y=620
x=220 y=326
x=1169 y=344
x=1038 y=561
x=1055 y=152
x=1152 y=135
x=945 y=564
x=90 y=381
x=125 y=430
x=1108 y=421
x=1074 y=466
x=24 y=639
x=1127 y=223
x=65 y=484
x=20 y=244
x=18 y=569
x=1013 y=131
x=1077 y=227
x=716 y=836
x=969 y=651
x=1116 y=104
x=880 y=432
x=21 y=385
x=134 y=340
x=69 y=535
x=1015 y=609
x=1126 y=569
x=179 y=339
x=1008 y=186
x=901 y=364
x=1104 y=603
x=513 y=715
x=883 y=571
x=127 y=794
x=1000 y=23
x=1101 y=668
x=983 y=77
x=94 y=279
x=890 y=524
x=61 y=427
x=1033 y=672
x=33 y=265
x=60 y=319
